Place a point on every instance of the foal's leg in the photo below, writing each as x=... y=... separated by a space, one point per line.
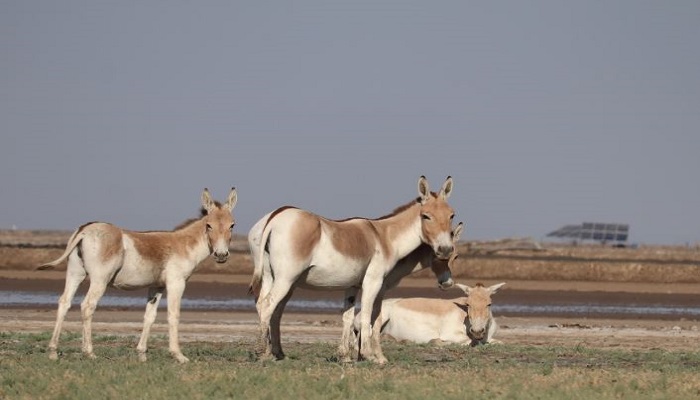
x=348 y=337
x=75 y=274
x=175 y=289
x=154 y=295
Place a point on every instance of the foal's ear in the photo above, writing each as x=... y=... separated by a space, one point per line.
x=423 y=189
x=446 y=188
x=231 y=200
x=207 y=202
x=457 y=232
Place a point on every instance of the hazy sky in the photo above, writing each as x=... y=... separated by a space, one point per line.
x=546 y=113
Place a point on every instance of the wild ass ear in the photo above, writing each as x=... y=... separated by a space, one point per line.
x=207 y=202
x=231 y=200
x=423 y=189
x=457 y=231
x=446 y=188
x=466 y=289
x=493 y=289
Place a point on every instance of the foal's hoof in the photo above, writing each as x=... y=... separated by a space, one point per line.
x=53 y=355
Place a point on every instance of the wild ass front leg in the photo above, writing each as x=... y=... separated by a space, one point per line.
x=370 y=290
x=377 y=322
x=154 y=295
x=347 y=338
x=175 y=289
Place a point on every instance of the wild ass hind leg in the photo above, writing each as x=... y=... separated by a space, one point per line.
x=75 y=274
x=275 y=329
x=154 y=296
x=175 y=290
x=98 y=285
x=348 y=337
x=269 y=323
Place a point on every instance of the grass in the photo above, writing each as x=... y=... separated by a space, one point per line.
x=232 y=370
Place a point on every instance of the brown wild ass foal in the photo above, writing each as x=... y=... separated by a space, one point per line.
x=131 y=260
x=301 y=249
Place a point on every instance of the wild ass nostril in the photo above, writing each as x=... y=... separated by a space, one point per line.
x=445 y=250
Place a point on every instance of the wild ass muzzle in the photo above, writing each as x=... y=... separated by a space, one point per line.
x=297 y=248
x=159 y=260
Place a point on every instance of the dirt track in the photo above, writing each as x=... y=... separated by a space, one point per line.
x=241 y=326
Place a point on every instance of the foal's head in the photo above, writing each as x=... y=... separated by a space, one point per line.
x=220 y=222
x=443 y=268
x=436 y=218
x=478 y=307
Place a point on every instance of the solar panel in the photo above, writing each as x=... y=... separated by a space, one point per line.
x=603 y=232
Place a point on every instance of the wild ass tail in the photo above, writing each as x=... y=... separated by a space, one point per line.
x=256 y=282
x=73 y=241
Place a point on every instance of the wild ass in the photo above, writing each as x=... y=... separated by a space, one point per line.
x=464 y=320
x=421 y=258
x=131 y=260
x=301 y=249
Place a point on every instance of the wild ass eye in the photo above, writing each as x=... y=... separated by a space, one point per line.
x=231 y=227
x=425 y=217
x=452 y=217
x=209 y=228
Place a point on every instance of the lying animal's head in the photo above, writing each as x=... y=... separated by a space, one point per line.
x=478 y=305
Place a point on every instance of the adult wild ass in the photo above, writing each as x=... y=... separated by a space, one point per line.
x=301 y=249
x=131 y=260
x=421 y=258
x=464 y=320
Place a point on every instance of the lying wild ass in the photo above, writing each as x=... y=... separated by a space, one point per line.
x=464 y=320
x=299 y=249
x=130 y=260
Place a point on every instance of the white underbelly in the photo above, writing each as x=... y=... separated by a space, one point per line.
x=336 y=276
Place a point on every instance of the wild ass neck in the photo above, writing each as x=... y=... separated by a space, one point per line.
x=195 y=241
x=401 y=230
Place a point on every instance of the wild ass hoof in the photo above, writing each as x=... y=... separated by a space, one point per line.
x=53 y=355
x=181 y=358
x=90 y=355
x=143 y=357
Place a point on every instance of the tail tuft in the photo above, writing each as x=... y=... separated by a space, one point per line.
x=44 y=266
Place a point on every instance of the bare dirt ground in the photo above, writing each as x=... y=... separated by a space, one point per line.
x=241 y=326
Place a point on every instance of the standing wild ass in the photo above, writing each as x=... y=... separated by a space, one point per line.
x=301 y=249
x=464 y=320
x=421 y=258
x=131 y=260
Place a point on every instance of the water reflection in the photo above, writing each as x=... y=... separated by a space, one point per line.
x=50 y=300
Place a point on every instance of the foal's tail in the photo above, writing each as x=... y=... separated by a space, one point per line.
x=73 y=241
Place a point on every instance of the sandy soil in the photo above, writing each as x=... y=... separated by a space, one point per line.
x=241 y=326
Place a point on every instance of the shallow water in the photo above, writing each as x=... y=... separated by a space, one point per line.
x=50 y=300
